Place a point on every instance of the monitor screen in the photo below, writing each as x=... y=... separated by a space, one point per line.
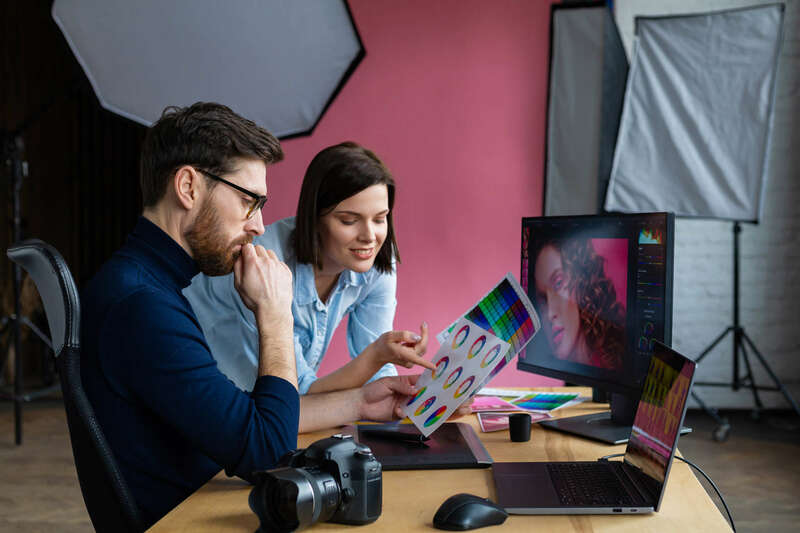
x=602 y=285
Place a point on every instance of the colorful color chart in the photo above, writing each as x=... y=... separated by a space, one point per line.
x=416 y=396
x=503 y=313
x=545 y=401
x=467 y=358
x=435 y=417
x=424 y=406
x=506 y=312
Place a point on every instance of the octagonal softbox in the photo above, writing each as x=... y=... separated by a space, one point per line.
x=276 y=62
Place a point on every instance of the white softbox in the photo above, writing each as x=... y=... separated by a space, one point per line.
x=696 y=121
x=276 y=62
x=586 y=85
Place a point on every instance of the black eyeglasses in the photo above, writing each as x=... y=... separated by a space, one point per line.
x=258 y=200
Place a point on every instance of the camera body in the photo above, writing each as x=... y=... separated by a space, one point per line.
x=335 y=479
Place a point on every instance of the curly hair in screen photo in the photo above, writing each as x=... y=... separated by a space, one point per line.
x=579 y=302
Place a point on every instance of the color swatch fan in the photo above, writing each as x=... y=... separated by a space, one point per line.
x=507 y=312
x=473 y=350
x=462 y=364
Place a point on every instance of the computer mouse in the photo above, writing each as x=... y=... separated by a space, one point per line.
x=467 y=511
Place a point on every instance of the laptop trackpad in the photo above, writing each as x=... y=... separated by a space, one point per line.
x=524 y=485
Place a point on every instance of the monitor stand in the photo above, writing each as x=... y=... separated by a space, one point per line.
x=611 y=427
x=595 y=426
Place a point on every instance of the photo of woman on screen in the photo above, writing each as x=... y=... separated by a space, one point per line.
x=582 y=317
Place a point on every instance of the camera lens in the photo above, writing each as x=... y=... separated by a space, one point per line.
x=292 y=498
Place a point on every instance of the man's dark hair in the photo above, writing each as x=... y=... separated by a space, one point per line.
x=335 y=174
x=205 y=135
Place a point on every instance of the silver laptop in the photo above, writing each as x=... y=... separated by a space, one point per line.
x=634 y=485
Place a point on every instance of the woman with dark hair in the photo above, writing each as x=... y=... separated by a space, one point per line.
x=583 y=319
x=341 y=249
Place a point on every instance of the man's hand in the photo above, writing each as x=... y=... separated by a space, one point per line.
x=265 y=284
x=404 y=348
x=383 y=399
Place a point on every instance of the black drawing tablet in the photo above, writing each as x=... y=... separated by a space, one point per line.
x=452 y=445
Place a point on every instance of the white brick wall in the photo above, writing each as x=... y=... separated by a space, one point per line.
x=770 y=251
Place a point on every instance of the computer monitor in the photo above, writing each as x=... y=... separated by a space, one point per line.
x=602 y=285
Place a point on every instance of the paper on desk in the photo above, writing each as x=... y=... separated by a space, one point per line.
x=507 y=312
x=462 y=363
x=491 y=403
x=502 y=393
x=543 y=402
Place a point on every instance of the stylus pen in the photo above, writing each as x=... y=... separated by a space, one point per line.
x=394 y=435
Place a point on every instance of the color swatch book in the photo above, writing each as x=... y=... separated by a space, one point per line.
x=462 y=364
x=543 y=402
x=506 y=312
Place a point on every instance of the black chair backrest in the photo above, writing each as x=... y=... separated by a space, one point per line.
x=109 y=501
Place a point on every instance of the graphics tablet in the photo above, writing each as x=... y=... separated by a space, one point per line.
x=453 y=445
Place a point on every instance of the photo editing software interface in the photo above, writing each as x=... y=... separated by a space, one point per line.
x=602 y=285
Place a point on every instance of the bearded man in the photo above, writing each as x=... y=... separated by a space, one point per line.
x=171 y=418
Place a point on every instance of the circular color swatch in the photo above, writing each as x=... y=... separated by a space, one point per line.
x=441 y=365
x=490 y=356
x=452 y=378
x=417 y=395
x=465 y=330
x=472 y=351
x=435 y=416
x=425 y=406
x=464 y=387
x=500 y=366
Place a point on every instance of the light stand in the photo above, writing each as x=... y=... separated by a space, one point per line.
x=12 y=148
x=741 y=340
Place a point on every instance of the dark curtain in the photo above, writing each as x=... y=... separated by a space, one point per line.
x=82 y=193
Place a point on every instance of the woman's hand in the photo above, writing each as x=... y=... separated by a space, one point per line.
x=404 y=348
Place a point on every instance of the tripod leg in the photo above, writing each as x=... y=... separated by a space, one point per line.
x=775 y=379
x=713 y=344
x=723 y=429
x=759 y=406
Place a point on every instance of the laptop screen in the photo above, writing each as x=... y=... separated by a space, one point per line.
x=659 y=416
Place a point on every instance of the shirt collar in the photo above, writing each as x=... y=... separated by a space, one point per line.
x=161 y=253
x=305 y=288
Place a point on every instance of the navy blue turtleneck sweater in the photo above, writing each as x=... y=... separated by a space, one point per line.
x=172 y=419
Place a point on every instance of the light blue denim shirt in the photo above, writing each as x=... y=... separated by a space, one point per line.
x=368 y=299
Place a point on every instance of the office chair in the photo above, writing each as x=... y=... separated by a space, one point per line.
x=108 y=500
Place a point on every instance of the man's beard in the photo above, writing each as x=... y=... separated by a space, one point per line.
x=203 y=238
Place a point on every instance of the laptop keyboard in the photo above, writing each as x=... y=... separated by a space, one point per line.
x=588 y=484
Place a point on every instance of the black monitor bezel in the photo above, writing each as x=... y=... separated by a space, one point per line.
x=629 y=388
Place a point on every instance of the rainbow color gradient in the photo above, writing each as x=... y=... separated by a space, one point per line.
x=490 y=356
x=472 y=351
x=435 y=416
x=456 y=342
x=417 y=395
x=464 y=387
x=503 y=314
x=452 y=378
x=425 y=406
x=441 y=365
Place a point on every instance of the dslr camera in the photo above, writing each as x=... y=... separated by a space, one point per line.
x=335 y=479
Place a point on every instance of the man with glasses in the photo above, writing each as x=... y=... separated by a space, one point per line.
x=172 y=419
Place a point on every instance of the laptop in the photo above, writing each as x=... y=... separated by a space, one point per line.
x=634 y=485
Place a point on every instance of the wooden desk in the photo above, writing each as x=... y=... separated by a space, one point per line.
x=411 y=497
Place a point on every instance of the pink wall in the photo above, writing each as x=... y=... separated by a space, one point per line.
x=451 y=95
